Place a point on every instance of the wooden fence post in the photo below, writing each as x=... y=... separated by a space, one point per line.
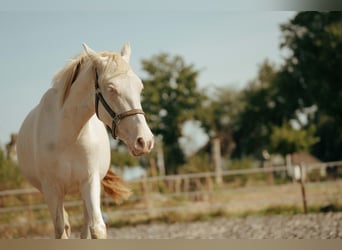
x=209 y=183
x=302 y=185
x=268 y=164
x=289 y=167
x=30 y=211
x=186 y=188
x=178 y=183
x=209 y=187
x=160 y=156
x=216 y=154
x=144 y=187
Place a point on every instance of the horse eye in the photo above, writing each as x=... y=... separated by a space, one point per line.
x=112 y=89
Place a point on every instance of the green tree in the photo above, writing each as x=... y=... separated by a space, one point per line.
x=315 y=42
x=219 y=116
x=170 y=98
x=263 y=108
x=308 y=80
x=286 y=140
x=314 y=76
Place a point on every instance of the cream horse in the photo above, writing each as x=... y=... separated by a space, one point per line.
x=63 y=146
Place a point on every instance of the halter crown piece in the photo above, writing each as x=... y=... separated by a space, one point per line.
x=116 y=117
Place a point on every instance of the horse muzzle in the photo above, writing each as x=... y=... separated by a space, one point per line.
x=142 y=145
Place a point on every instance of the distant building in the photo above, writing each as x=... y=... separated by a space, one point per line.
x=303 y=157
x=298 y=158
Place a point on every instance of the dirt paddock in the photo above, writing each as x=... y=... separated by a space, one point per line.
x=300 y=226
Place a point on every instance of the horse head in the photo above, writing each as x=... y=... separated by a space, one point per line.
x=117 y=101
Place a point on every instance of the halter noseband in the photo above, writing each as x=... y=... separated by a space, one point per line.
x=116 y=117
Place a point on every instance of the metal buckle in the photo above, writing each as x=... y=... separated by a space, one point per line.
x=114 y=130
x=116 y=120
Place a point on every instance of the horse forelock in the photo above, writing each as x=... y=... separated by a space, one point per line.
x=115 y=65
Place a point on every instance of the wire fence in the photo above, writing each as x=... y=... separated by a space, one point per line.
x=174 y=193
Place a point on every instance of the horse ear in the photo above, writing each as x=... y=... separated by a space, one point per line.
x=126 y=52
x=88 y=50
x=91 y=53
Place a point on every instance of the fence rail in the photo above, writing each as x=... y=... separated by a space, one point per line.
x=310 y=166
x=176 y=181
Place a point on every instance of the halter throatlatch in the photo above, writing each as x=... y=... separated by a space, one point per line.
x=116 y=117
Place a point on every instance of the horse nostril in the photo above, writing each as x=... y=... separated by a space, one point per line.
x=140 y=144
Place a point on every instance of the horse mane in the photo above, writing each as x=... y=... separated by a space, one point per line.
x=67 y=75
x=64 y=79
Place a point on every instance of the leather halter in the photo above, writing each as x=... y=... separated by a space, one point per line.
x=116 y=117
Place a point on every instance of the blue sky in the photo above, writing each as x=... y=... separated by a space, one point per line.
x=227 y=46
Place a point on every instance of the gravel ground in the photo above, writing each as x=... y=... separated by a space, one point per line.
x=311 y=226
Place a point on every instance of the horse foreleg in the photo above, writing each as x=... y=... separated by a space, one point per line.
x=85 y=232
x=91 y=195
x=54 y=200
x=67 y=227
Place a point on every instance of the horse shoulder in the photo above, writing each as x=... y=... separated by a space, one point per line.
x=94 y=138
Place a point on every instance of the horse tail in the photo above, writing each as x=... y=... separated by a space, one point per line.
x=115 y=187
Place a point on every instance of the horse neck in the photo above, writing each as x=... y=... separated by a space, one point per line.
x=78 y=107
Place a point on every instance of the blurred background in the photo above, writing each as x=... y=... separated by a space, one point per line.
x=245 y=107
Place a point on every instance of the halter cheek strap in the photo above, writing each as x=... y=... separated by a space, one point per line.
x=116 y=118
